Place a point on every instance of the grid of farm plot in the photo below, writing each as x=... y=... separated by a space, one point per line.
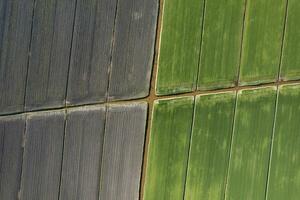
x=62 y=53
x=232 y=145
x=81 y=153
x=210 y=44
x=63 y=62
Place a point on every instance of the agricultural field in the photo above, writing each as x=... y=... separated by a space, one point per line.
x=232 y=145
x=149 y=100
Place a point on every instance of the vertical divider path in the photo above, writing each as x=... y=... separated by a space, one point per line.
x=272 y=144
x=277 y=96
x=70 y=54
x=241 y=44
x=284 y=35
x=102 y=150
x=152 y=94
x=189 y=151
x=111 y=52
x=62 y=156
x=29 y=54
x=200 y=44
x=230 y=148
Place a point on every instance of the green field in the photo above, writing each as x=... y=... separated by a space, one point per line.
x=169 y=147
x=210 y=146
x=284 y=180
x=180 y=46
x=209 y=45
x=228 y=145
x=290 y=69
x=253 y=126
x=221 y=43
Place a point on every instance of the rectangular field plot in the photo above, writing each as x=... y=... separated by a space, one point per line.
x=290 y=68
x=221 y=44
x=82 y=156
x=262 y=40
x=250 y=148
x=11 y=144
x=123 y=151
x=168 y=149
x=180 y=46
x=284 y=180
x=210 y=146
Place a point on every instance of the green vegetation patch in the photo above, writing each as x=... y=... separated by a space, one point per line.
x=284 y=180
x=168 y=149
x=180 y=46
x=210 y=146
x=290 y=68
x=262 y=41
x=221 y=44
x=248 y=167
